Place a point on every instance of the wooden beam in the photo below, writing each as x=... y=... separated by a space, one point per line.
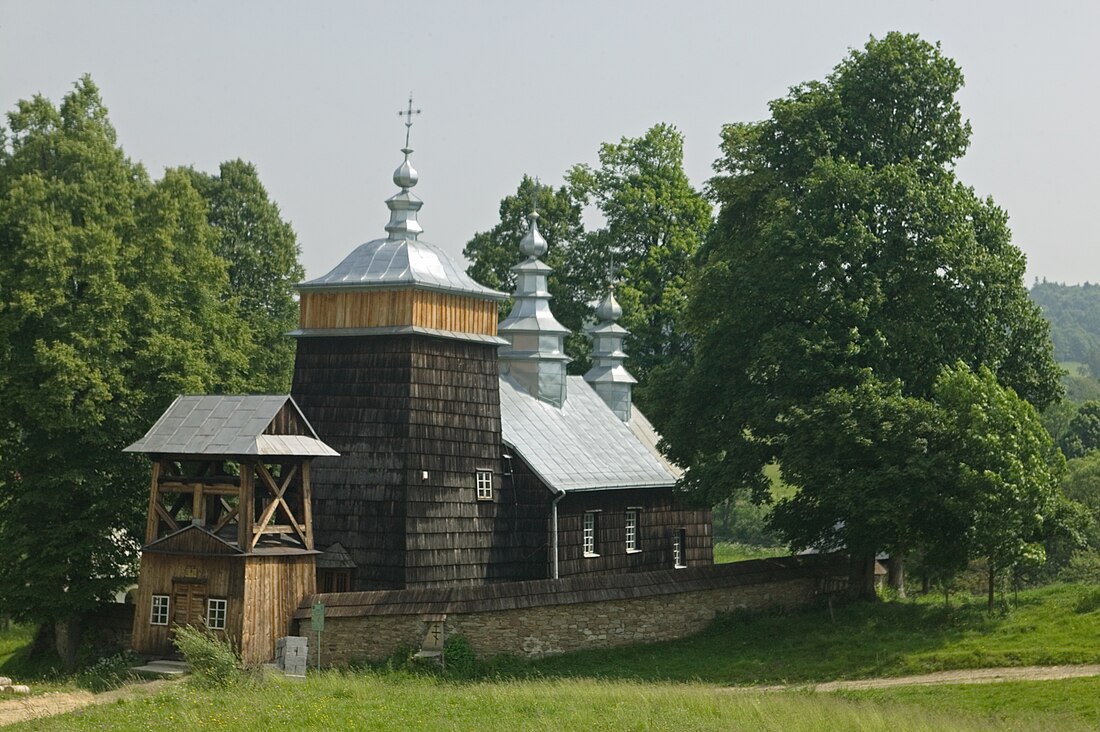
x=307 y=504
x=229 y=516
x=246 y=507
x=167 y=518
x=198 y=509
x=151 y=521
x=216 y=489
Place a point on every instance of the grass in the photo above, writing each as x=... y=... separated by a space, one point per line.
x=1062 y=702
x=732 y=551
x=387 y=701
x=866 y=640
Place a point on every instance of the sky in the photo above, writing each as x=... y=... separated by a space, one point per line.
x=309 y=92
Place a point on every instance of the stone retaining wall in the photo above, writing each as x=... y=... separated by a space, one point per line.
x=602 y=613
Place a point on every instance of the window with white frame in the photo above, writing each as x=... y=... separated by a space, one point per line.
x=215 y=614
x=632 y=530
x=159 y=614
x=679 y=540
x=591 y=526
x=484 y=485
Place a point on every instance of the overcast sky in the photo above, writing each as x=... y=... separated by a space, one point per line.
x=309 y=92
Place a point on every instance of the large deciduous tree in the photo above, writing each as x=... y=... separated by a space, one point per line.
x=112 y=300
x=654 y=224
x=847 y=268
x=262 y=253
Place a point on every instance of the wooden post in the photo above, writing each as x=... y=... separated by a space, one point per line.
x=198 y=511
x=153 y=519
x=245 y=508
x=307 y=504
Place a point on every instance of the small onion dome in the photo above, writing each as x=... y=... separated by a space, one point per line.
x=405 y=175
x=532 y=244
x=609 y=309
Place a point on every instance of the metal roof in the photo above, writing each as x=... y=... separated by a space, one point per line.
x=582 y=445
x=227 y=425
x=386 y=263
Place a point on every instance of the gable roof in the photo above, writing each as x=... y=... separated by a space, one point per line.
x=582 y=445
x=192 y=539
x=230 y=425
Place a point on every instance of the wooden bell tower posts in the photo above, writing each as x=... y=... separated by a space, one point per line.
x=229 y=536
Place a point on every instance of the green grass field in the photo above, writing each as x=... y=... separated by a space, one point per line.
x=372 y=701
x=730 y=551
x=1059 y=703
x=674 y=685
x=880 y=639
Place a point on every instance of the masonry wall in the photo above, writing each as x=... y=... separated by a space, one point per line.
x=534 y=619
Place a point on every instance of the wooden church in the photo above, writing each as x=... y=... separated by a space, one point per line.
x=423 y=445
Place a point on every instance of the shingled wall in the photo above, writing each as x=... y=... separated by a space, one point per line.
x=545 y=617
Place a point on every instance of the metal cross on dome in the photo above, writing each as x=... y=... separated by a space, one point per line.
x=409 y=115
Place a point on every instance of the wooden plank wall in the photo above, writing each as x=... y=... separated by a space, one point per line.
x=659 y=515
x=222 y=576
x=355 y=393
x=381 y=308
x=274 y=587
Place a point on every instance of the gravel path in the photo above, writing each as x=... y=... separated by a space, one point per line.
x=22 y=708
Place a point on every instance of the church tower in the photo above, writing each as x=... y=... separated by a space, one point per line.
x=396 y=369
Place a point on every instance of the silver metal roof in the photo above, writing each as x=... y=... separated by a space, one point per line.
x=581 y=445
x=227 y=425
x=388 y=263
x=401 y=259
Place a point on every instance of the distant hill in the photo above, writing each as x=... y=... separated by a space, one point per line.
x=1074 y=315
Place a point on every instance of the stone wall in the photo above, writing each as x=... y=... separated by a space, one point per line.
x=573 y=615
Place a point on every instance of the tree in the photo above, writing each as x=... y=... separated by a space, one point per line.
x=1008 y=469
x=846 y=257
x=262 y=253
x=1083 y=431
x=112 y=302
x=655 y=222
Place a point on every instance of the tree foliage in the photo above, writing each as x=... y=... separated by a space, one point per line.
x=262 y=254
x=654 y=224
x=847 y=268
x=113 y=300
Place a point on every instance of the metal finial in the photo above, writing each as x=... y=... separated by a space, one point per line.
x=408 y=114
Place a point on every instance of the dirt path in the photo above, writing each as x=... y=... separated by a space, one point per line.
x=23 y=708
x=961 y=676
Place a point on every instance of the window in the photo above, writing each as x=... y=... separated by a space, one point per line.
x=333 y=580
x=632 y=530
x=590 y=530
x=484 y=485
x=679 y=541
x=159 y=616
x=215 y=614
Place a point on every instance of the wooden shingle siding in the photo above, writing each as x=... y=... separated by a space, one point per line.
x=396 y=407
x=402 y=307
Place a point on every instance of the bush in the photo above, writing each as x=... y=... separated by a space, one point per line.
x=213 y=661
x=459 y=657
x=109 y=672
x=1083 y=568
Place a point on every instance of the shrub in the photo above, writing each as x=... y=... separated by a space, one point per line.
x=459 y=657
x=1083 y=567
x=109 y=672
x=213 y=661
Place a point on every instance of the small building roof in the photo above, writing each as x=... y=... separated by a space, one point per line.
x=581 y=445
x=230 y=425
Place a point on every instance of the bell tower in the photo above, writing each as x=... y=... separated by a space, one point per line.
x=396 y=369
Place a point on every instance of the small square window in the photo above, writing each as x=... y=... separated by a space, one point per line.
x=484 y=485
x=679 y=542
x=159 y=614
x=632 y=530
x=215 y=614
x=591 y=526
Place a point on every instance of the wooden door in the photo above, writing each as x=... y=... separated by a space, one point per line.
x=189 y=603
